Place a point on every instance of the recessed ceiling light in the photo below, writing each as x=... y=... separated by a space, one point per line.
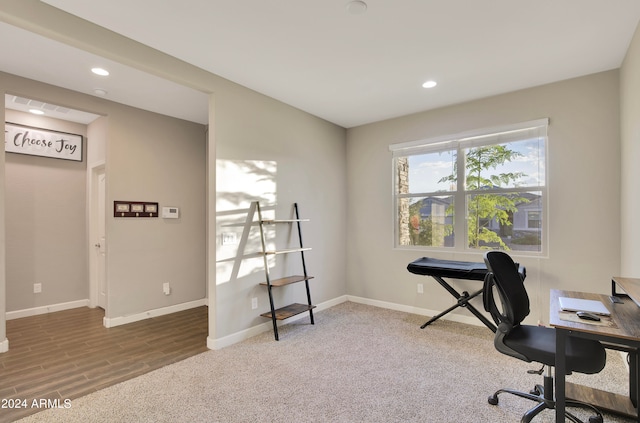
x=356 y=7
x=100 y=91
x=100 y=71
x=36 y=111
x=429 y=84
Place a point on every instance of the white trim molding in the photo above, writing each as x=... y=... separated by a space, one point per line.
x=216 y=344
x=470 y=320
x=4 y=346
x=219 y=343
x=27 y=312
x=110 y=322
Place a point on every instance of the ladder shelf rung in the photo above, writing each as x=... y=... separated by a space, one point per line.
x=287 y=251
x=274 y=221
x=289 y=311
x=287 y=280
x=263 y=221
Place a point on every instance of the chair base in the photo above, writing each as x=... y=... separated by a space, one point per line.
x=544 y=396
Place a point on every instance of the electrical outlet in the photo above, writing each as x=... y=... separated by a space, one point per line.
x=254 y=303
x=229 y=238
x=420 y=288
x=166 y=288
x=37 y=288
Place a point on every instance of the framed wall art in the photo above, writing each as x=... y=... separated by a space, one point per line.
x=32 y=141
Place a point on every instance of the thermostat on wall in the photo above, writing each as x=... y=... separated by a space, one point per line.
x=170 y=212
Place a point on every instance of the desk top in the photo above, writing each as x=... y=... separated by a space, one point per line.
x=625 y=317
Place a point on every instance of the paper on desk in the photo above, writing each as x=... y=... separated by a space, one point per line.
x=570 y=316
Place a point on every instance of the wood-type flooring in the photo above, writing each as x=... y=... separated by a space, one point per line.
x=68 y=354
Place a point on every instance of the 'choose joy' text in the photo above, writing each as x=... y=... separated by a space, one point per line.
x=23 y=140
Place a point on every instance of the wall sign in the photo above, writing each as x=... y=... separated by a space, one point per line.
x=135 y=209
x=23 y=139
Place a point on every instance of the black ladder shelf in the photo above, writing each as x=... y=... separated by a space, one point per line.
x=293 y=309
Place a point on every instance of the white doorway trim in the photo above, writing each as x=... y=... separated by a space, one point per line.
x=96 y=245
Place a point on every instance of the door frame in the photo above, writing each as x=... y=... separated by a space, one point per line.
x=94 y=172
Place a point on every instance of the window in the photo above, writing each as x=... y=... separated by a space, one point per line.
x=479 y=190
x=533 y=220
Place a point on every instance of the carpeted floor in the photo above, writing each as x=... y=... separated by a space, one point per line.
x=356 y=364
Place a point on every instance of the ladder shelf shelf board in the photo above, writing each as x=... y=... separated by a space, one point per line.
x=274 y=221
x=287 y=251
x=282 y=313
x=288 y=311
x=287 y=280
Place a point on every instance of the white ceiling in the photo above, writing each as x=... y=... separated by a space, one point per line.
x=349 y=69
x=35 y=57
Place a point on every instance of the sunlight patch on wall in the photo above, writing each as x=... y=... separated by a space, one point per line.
x=238 y=184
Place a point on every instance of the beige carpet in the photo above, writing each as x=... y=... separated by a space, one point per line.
x=356 y=364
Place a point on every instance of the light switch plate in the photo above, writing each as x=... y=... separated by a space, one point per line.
x=229 y=238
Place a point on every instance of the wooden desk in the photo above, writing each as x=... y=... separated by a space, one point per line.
x=623 y=334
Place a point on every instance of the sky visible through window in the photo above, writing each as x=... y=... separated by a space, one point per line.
x=425 y=170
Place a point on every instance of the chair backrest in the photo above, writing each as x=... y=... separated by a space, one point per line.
x=510 y=286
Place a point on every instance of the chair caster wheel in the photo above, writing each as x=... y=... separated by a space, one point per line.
x=493 y=400
x=595 y=419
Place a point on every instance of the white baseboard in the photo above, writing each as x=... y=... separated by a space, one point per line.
x=470 y=320
x=215 y=344
x=123 y=320
x=4 y=346
x=46 y=309
x=219 y=343
x=234 y=338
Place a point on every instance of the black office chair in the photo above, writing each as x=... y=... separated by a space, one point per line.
x=533 y=343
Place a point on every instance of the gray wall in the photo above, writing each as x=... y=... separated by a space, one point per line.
x=310 y=161
x=46 y=211
x=157 y=159
x=630 y=122
x=584 y=194
x=4 y=343
x=149 y=157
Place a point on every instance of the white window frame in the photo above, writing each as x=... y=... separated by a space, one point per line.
x=460 y=142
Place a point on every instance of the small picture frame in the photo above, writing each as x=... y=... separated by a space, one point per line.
x=151 y=208
x=137 y=208
x=122 y=207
